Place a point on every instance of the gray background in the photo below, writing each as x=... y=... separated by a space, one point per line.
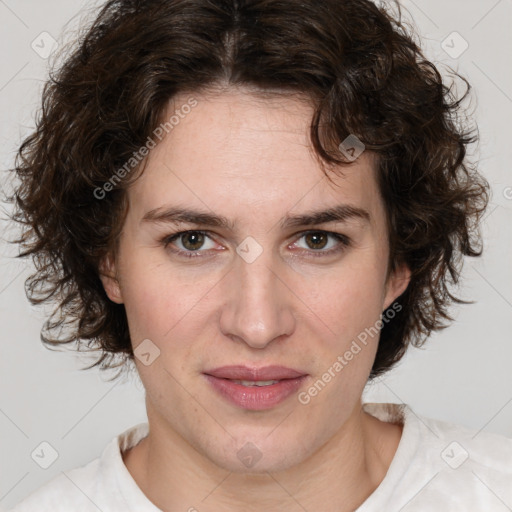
x=462 y=375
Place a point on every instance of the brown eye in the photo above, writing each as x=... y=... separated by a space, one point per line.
x=316 y=240
x=188 y=243
x=191 y=244
x=323 y=243
x=192 y=240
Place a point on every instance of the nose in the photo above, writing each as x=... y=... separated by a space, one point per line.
x=259 y=306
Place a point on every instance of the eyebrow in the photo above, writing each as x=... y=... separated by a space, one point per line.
x=176 y=215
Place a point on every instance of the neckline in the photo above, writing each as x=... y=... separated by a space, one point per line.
x=392 y=413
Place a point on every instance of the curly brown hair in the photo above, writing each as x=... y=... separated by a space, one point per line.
x=361 y=69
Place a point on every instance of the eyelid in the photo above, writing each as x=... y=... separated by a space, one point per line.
x=344 y=242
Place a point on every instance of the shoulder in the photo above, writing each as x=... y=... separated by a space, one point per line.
x=70 y=490
x=102 y=484
x=451 y=442
x=471 y=468
x=443 y=463
x=459 y=445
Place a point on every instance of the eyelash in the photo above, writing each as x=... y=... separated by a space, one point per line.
x=343 y=239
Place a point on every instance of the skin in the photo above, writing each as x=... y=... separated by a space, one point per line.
x=250 y=160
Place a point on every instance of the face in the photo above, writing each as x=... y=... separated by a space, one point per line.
x=265 y=288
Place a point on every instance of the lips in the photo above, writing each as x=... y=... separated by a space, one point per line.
x=255 y=374
x=255 y=388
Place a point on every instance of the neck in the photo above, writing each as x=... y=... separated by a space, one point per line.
x=337 y=477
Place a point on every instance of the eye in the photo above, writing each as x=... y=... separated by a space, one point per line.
x=193 y=241
x=318 y=240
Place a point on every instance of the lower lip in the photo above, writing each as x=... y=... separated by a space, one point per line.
x=255 y=398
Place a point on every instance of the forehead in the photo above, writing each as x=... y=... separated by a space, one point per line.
x=234 y=152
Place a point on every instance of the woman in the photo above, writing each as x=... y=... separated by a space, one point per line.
x=262 y=205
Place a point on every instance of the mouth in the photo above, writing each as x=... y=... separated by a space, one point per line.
x=251 y=383
x=255 y=388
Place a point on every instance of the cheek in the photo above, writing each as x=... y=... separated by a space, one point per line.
x=161 y=300
x=347 y=310
x=348 y=301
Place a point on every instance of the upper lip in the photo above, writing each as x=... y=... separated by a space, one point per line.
x=241 y=372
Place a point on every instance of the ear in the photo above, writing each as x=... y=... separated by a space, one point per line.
x=397 y=283
x=108 y=276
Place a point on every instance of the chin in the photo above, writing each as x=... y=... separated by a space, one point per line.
x=259 y=454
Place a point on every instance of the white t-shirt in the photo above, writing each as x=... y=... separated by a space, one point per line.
x=438 y=467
